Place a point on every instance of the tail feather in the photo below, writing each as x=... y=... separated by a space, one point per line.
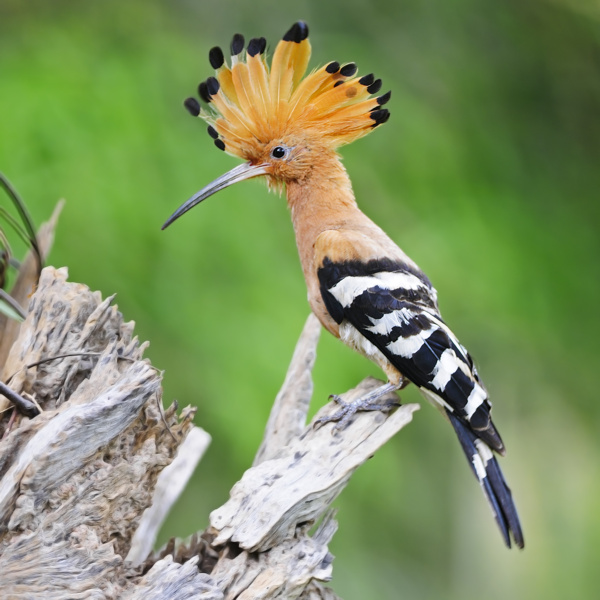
x=485 y=467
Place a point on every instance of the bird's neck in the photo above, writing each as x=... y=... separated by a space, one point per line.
x=323 y=200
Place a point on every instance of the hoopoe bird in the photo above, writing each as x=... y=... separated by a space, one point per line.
x=362 y=287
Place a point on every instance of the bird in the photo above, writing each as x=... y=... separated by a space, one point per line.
x=287 y=126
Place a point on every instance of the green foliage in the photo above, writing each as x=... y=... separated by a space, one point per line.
x=487 y=175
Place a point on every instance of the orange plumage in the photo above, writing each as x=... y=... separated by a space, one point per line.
x=255 y=102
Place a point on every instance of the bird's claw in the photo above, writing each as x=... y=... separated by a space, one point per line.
x=349 y=409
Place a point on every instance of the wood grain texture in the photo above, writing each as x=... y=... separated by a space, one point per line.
x=297 y=486
x=85 y=485
x=75 y=480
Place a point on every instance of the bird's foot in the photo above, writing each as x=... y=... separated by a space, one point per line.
x=369 y=402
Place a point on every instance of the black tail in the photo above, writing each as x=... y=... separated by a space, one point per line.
x=485 y=467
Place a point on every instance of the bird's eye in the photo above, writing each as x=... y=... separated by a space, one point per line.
x=278 y=152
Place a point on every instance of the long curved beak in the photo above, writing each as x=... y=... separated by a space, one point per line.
x=239 y=173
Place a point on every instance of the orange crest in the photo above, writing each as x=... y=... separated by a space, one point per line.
x=252 y=103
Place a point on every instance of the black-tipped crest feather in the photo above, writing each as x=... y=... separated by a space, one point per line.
x=193 y=106
x=298 y=32
x=216 y=58
x=237 y=44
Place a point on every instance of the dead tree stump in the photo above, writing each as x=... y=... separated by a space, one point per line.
x=85 y=485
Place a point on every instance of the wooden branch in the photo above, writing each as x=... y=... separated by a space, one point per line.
x=275 y=497
x=85 y=485
x=169 y=485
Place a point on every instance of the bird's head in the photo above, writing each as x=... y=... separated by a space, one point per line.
x=281 y=123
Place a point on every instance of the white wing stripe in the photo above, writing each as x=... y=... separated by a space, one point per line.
x=475 y=399
x=444 y=368
x=406 y=347
x=385 y=324
x=484 y=451
x=349 y=288
x=479 y=467
x=481 y=459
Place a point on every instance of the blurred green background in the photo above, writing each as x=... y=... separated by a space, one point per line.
x=487 y=174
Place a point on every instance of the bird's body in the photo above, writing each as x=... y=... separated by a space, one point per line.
x=362 y=287
x=331 y=230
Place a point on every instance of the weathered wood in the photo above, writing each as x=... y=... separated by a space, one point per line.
x=85 y=485
x=274 y=498
x=298 y=471
x=284 y=571
x=169 y=485
x=75 y=480
x=169 y=580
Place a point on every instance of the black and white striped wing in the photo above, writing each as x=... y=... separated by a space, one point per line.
x=394 y=308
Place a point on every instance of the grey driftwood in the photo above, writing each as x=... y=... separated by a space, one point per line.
x=85 y=485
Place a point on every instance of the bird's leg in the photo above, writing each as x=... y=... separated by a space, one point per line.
x=368 y=402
